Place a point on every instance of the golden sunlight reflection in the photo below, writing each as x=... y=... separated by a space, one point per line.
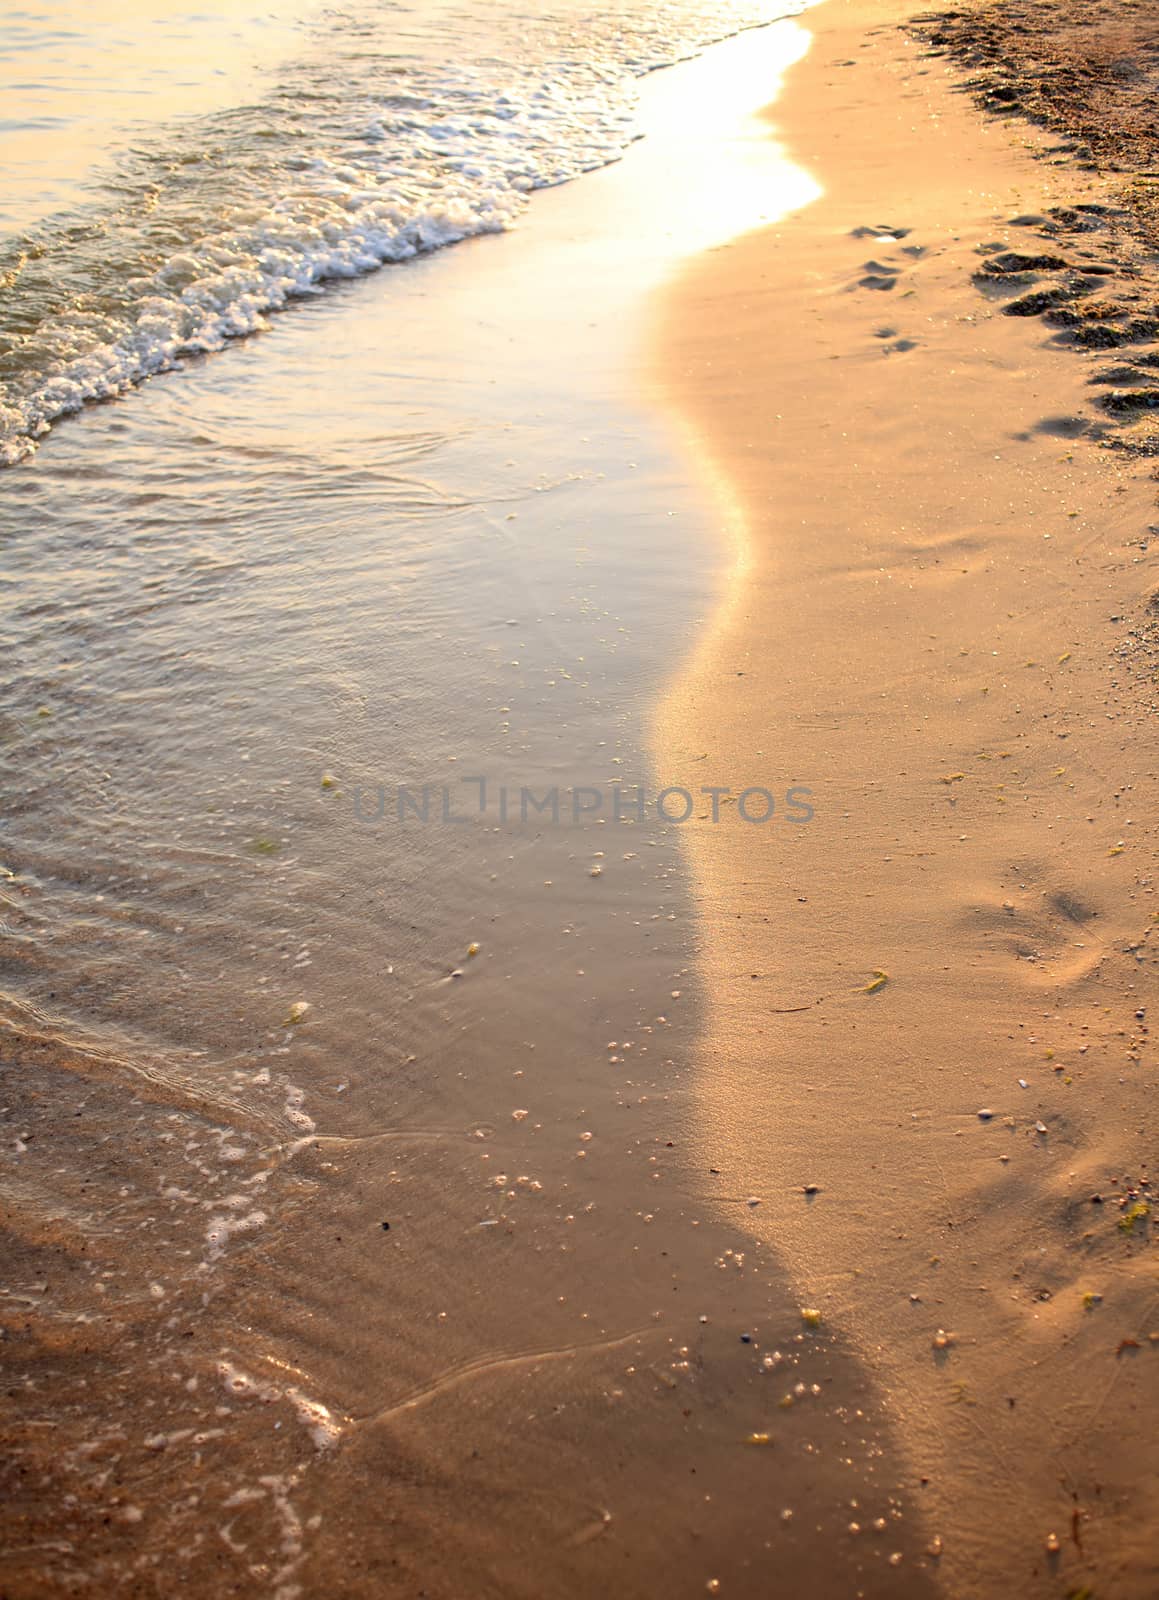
x=712 y=146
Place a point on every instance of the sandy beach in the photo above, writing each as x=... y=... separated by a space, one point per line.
x=931 y=1003
x=449 y=1199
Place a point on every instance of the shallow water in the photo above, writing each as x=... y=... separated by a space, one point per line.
x=344 y=1260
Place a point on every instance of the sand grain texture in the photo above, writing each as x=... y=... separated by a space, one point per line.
x=929 y=623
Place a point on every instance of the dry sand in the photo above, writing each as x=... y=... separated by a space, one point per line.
x=938 y=621
x=1089 y=69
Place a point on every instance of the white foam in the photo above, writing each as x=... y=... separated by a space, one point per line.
x=398 y=165
x=319 y=1421
x=223 y=1228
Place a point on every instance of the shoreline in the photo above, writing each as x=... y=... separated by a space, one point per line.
x=935 y=577
x=404 y=1278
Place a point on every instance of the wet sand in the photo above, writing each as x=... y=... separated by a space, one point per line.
x=931 y=1003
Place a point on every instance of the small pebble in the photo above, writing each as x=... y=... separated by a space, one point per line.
x=1052 y=1544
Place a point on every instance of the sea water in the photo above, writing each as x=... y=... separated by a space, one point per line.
x=331 y=1139
x=173 y=177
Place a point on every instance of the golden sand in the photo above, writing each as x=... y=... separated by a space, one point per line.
x=929 y=1002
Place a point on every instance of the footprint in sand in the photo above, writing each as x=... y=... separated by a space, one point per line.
x=1053 y=934
x=896 y=344
x=1062 y=427
x=878 y=275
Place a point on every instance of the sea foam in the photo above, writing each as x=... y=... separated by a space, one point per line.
x=358 y=157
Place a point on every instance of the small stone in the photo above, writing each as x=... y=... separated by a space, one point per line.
x=934 y=1548
x=942 y=1340
x=1052 y=1544
x=985 y=1114
x=812 y=1188
x=810 y=1316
